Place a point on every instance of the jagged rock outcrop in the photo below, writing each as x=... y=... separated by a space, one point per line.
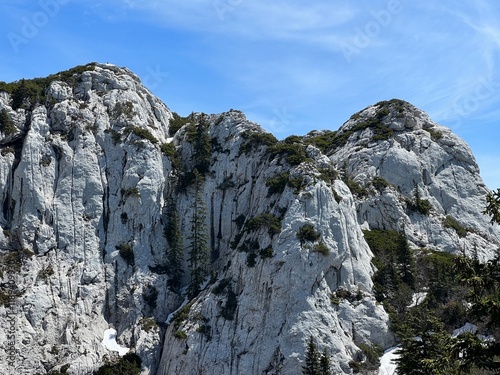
x=91 y=177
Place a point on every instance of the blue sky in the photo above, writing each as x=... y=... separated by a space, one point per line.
x=290 y=67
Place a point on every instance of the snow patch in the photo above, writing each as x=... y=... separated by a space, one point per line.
x=417 y=299
x=468 y=327
x=387 y=364
x=109 y=341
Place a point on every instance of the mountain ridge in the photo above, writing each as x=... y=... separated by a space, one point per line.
x=90 y=180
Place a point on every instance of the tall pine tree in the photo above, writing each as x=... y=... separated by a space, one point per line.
x=175 y=252
x=199 y=250
x=312 y=360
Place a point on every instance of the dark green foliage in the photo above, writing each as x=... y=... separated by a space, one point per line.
x=493 y=206
x=126 y=252
x=277 y=184
x=324 y=141
x=199 y=250
x=27 y=93
x=181 y=335
x=141 y=133
x=429 y=354
x=169 y=150
x=314 y=362
x=268 y=252
x=123 y=108
x=435 y=134
x=265 y=221
x=292 y=149
x=394 y=279
x=307 y=233
x=298 y=183
x=124 y=217
x=147 y=324
x=254 y=140
x=450 y=222
x=354 y=186
x=45 y=273
x=197 y=134
x=6 y=124
x=321 y=248
x=379 y=183
x=231 y=305
x=131 y=192
x=175 y=251
x=177 y=122
x=328 y=174
x=418 y=204
x=181 y=316
x=129 y=364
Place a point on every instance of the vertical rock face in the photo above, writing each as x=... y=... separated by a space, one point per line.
x=90 y=182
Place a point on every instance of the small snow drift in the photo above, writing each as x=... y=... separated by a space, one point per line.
x=109 y=341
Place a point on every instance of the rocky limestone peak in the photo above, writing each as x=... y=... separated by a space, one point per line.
x=208 y=245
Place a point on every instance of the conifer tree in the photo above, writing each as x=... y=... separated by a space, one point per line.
x=199 y=250
x=202 y=146
x=312 y=361
x=175 y=252
x=324 y=364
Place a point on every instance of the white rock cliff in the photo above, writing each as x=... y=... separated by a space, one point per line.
x=89 y=180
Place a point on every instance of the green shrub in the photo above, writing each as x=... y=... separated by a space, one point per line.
x=46 y=273
x=435 y=134
x=129 y=364
x=147 y=324
x=123 y=108
x=141 y=133
x=323 y=141
x=268 y=252
x=181 y=335
x=131 y=192
x=307 y=233
x=265 y=220
x=293 y=151
x=450 y=222
x=298 y=183
x=379 y=183
x=181 y=315
x=126 y=252
x=177 y=122
x=277 y=184
x=321 y=248
x=169 y=150
x=253 y=140
x=6 y=124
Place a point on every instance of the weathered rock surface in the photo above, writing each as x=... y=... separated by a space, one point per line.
x=88 y=183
